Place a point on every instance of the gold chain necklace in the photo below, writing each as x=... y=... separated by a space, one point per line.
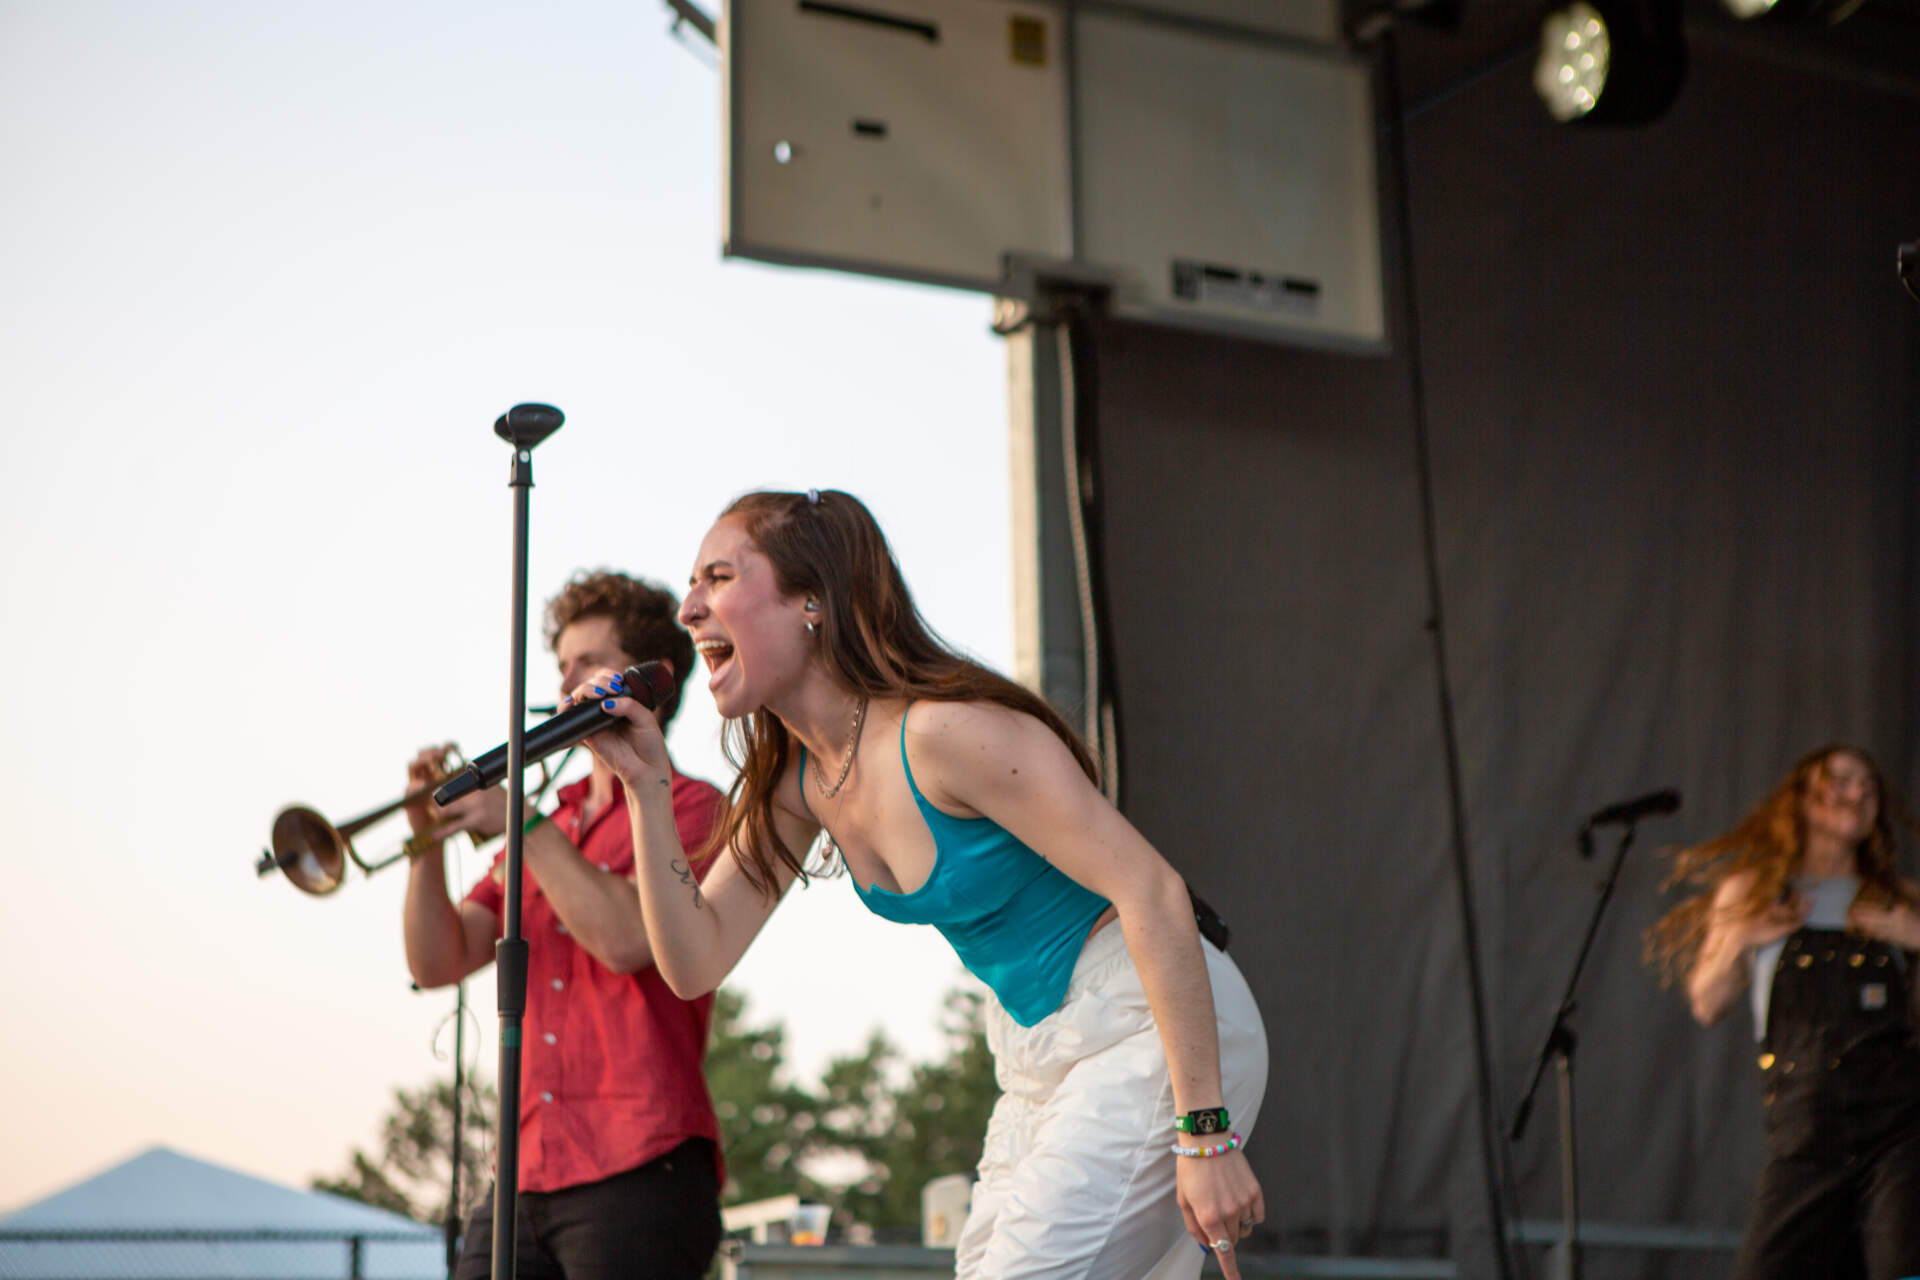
x=853 y=749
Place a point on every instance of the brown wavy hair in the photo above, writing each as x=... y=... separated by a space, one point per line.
x=828 y=546
x=646 y=622
x=1767 y=842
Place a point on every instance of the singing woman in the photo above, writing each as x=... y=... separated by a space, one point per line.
x=1130 y=1052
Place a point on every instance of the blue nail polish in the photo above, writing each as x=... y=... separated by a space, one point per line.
x=607 y=705
x=597 y=689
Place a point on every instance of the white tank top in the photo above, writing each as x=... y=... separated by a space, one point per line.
x=1828 y=898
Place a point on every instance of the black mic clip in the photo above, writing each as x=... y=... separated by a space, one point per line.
x=1626 y=813
x=525 y=425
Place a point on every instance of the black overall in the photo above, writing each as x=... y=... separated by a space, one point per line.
x=1840 y=1070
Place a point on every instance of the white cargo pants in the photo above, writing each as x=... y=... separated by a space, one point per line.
x=1077 y=1176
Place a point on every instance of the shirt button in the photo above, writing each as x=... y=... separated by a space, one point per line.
x=551 y=1038
x=558 y=984
x=546 y=1097
x=561 y=928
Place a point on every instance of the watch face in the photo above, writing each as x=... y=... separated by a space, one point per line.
x=1206 y=1122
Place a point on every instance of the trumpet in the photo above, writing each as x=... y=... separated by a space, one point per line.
x=313 y=853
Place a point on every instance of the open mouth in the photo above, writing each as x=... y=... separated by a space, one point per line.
x=714 y=653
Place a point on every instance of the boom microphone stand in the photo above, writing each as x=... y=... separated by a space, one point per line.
x=524 y=427
x=1558 y=1049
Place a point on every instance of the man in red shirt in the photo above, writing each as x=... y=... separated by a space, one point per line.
x=619 y=1147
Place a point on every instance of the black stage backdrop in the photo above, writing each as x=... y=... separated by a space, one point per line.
x=1675 y=408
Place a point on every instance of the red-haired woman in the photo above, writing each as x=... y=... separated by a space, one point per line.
x=1801 y=901
x=1130 y=1052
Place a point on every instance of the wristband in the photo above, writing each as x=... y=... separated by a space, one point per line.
x=1203 y=1153
x=532 y=822
x=1204 y=1121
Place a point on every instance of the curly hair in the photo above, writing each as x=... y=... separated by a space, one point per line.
x=1766 y=844
x=645 y=618
x=827 y=545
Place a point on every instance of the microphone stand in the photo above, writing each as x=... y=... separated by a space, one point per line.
x=1559 y=1049
x=524 y=427
x=454 y=1216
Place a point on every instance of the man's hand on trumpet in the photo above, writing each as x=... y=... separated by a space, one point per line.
x=483 y=814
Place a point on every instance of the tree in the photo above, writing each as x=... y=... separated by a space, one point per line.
x=932 y=1125
x=873 y=1133
x=768 y=1124
x=412 y=1172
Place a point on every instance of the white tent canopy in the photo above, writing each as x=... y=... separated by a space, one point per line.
x=166 y=1216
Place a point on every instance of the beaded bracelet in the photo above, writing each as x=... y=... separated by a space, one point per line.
x=1204 y=1152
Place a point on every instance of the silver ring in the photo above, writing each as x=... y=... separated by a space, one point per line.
x=1247 y=1224
x=1223 y=1245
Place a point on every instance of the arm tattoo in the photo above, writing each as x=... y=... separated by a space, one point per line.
x=685 y=873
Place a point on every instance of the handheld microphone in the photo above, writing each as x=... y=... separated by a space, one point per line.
x=1627 y=812
x=648 y=684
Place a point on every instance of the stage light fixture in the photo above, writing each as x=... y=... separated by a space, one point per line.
x=1828 y=11
x=1575 y=54
x=1610 y=61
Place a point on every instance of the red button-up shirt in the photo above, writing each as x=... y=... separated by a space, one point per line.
x=611 y=1063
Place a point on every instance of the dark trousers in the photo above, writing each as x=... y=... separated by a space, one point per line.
x=1839 y=1196
x=660 y=1221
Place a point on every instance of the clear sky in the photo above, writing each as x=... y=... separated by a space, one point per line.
x=268 y=273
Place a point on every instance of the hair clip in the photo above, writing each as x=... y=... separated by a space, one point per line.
x=813 y=497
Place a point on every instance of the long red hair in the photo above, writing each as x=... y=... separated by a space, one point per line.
x=827 y=545
x=1768 y=843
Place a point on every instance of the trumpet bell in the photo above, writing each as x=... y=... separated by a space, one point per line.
x=309 y=851
x=313 y=853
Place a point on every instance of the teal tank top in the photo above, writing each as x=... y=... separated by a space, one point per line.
x=1016 y=921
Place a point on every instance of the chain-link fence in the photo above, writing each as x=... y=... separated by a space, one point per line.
x=222 y=1255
